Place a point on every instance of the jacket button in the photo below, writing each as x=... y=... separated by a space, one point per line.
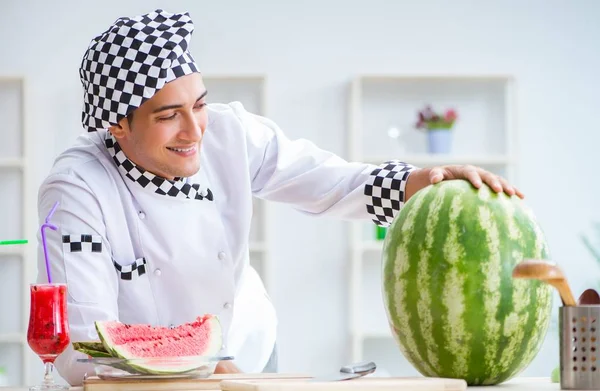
x=221 y=256
x=157 y=272
x=142 y=215
x=227 y=305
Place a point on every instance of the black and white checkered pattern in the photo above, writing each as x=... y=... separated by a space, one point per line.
x=82 y=243
x=162 y=186
x=132 y=60
x=385 y=188
x=127 y=272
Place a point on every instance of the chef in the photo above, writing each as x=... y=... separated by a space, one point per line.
x=155 y=197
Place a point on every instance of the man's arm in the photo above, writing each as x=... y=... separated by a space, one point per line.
x=80 y=256
x=318 y=182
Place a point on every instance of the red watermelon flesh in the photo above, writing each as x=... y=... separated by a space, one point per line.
x=202 y=337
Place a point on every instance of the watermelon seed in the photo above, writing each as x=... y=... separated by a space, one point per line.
x=583 y=369
x=593 y=348
x=574 y=339
x=583 y=349
x=574 y=348
x=574 y=320
x=583 y=329
x=574 y=358
x=583 y=358
x=593 y=369
x=593 y=320
x=593 y=329
x=583 y=339
x=593 y=358
x=575 y=369
x=583 y=318
x=574 y=329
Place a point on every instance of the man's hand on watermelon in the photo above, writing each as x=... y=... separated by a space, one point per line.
x=423 y=177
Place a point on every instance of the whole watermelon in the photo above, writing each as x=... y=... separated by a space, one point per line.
x=452 y=305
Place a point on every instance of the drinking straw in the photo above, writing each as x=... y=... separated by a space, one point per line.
x=7 y=242
x=53 y=227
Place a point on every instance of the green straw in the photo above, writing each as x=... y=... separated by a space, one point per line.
x=20 y=241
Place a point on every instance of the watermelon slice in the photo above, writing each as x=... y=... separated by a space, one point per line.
x=163 y=350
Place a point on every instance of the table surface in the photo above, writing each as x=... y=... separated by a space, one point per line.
x=517 y=384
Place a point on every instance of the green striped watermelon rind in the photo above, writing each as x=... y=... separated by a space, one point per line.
x=498 y=336
x=91 y=348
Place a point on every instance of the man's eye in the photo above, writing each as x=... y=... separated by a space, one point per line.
x=200 y=105
x=167 y=118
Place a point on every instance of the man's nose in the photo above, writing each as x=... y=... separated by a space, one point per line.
x=193 y=128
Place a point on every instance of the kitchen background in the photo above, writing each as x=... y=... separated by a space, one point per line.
x=522 y=75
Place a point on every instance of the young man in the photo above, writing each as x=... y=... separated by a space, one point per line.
x=162 y=185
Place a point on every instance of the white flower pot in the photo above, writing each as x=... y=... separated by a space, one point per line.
x=439 y=140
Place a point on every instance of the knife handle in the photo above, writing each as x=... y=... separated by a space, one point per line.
x=359 y=367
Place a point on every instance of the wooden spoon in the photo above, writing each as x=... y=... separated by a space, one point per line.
x=589 y=297
x=548 y=272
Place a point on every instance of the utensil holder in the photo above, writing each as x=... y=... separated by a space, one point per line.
x=579 y=328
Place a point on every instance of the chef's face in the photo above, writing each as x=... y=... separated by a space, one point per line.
x=164 y=134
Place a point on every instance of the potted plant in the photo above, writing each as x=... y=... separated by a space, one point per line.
x=438 y=127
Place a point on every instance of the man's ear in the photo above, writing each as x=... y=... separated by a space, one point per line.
x=121 y=129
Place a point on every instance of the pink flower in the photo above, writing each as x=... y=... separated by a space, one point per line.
x=450 y=115
x=428 y=113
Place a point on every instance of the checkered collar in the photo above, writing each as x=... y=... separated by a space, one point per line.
x=178 y=188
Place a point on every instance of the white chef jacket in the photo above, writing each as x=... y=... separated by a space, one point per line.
x=132 y=253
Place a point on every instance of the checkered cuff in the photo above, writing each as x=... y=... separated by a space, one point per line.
x=385 y=189
x=82 y=243
x=127 y=272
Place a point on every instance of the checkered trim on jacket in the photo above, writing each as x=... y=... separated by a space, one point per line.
x=159 y=185
x=82 y=243
x=127 y=272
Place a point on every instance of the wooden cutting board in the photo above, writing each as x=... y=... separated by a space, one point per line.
x=365 y=384
x=209 y=383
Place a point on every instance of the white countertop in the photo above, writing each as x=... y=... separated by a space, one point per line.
x=517 y=384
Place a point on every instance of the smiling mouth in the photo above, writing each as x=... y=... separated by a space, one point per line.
x=189 y=149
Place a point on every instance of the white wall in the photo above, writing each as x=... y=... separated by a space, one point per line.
x=309 y=50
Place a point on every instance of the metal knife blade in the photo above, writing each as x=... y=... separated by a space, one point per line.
x=348 y=372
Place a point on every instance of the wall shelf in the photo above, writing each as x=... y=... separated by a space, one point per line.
x=16 y=251
x=484 y=136
x=11 y=163
x=19 y=338
x=258 y=247
x=15 y=273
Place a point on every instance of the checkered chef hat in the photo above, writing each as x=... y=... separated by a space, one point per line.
x=131 y=61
